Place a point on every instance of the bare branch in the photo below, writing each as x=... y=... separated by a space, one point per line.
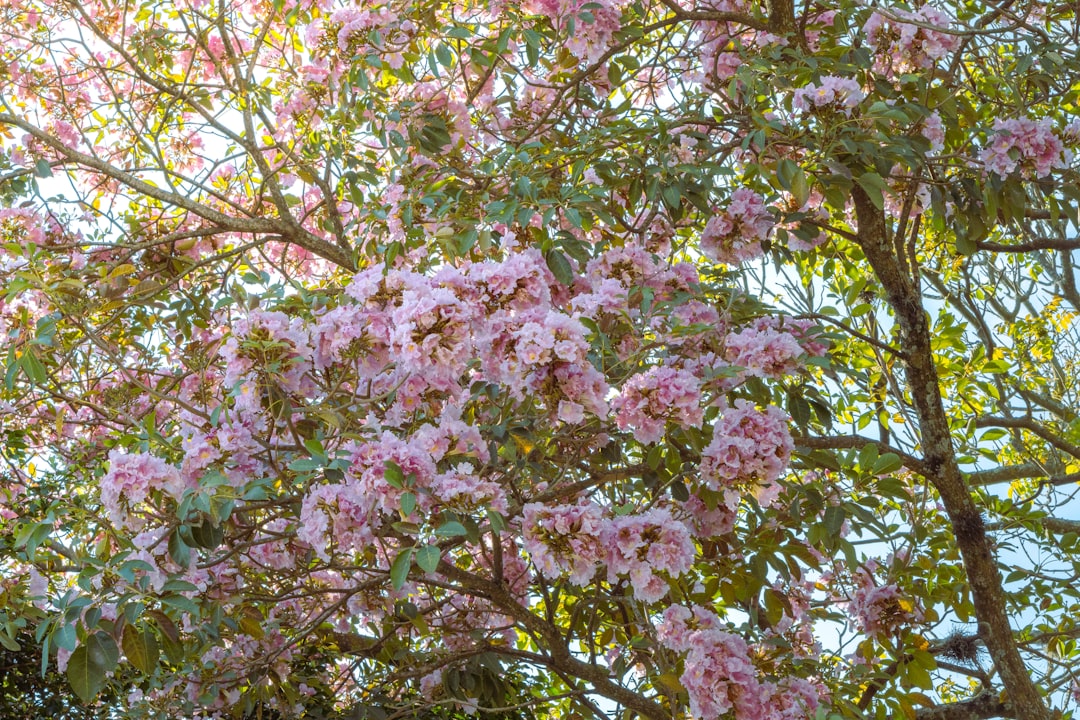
x=983 y=706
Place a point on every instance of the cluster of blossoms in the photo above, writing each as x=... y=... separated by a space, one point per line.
x=764 y=350
x=750 y=448
x=416 y=355
x=564 y=539
x=720 y=676
x=722 y=45
x=877 y=609
x=643 y=546
x=129 y=482
x=834 y=93
x=347 y=512
x=734 y=235
x=578 y=539
x=590 y=28
x=1032 y=146
x=420 y=340
x=907 y=41
x=649 y=399
x=934 y=131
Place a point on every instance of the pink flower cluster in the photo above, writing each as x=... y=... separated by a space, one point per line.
x=268 y=339
x=649 y=399
x=720 y=676
x=129 y=482
x=578 y=539
x=750 y=447
x=835 y=93
x=564 y=539
x=1030 y=145
x=934 y=131
x=735 y=234
x=416 y=336
x=906 y=46
x=763 y=351
x=592 y=26
x=643 y=546
x=343 y=514
x=877 y=609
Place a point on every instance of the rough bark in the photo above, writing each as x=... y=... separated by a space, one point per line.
x=939 y=458
x=983 y=706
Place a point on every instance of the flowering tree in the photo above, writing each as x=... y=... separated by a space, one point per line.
x=652 y=359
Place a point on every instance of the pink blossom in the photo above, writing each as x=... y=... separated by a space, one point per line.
x=130 y=480
x=764 y=351
x=750 y=447
x=564 y=539
x=833 y=92
x=645 y=545
x=660 y=394
x=460 y=489
x=877 y=609
x=1030 y=145
x=934 y=131
x=734 y=235
x=334 y=332
x=904 y=46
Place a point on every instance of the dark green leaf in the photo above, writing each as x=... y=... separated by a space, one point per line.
x=141 y=648
x=399 y=569
x=560 y=267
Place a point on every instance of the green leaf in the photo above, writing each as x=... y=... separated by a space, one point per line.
x=33 y=367
x=918 y=676
x=672 y=196
x=42 y=168
x=399 y=570
x=875 y=187
x=8 y=643
x=89 y=663
x=86 y=678
x=868 y=456
x=451 y=528
x=833 y=520
x=408 y=504
x=207 y=535
x=444 y=56
x=103 y=648
x=887 y=463
x=393 y=474
x=964 y=245
x=800 y=189
x=428 y=558
x=560 y=267
x=141 y=648
x=178 y=549
x=498 y=523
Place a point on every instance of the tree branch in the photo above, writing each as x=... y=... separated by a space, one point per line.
x=1031 y=426
x=227 y=223
x=904 y=296
x=981 y=707
x=847 y=442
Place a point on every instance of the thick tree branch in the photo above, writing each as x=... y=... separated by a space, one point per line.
x=1026 y=471
x=848 y=442
x=1033 y=246
x=1056 y=525
x=1031 y=426
x=983 y=706
x=939 y=456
